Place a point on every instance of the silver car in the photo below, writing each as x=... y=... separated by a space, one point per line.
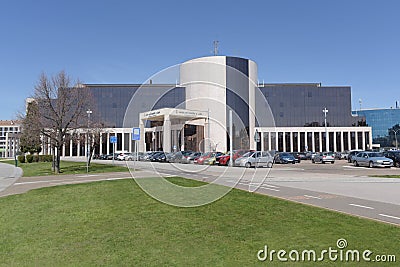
x=372 y=159
x=255 y=159
x=324 y=157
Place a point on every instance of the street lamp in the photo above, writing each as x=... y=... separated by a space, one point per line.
x=395 y=135
x=325 y=111
x=88 y=141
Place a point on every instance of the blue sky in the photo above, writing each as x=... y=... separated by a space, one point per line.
x=354 y=43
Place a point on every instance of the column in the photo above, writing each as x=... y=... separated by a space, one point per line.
x=101 y=144
x=142 y=142
x=341 y=140
x=108 y=143
x=363 y=140
x=349 y=140
x=370 y=139
x=356 y=137
x=269 y=141
x=327 y=141
x=182 y=148
x=291 y=141
x=313 y=141
x=320 y=141
x=298 y=141
x=78 y=153
x=306 y=140
x=63 y=150
x=123 y=140
x=284 y=141
x=262 y=141
x=276 y=141
x=334 y=142
x=71 y=143
x=167 y=134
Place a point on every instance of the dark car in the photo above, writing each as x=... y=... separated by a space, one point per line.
x=159 y=157
x=284 y=158
x=394 y=155
x=351 y=155
x=298 y=156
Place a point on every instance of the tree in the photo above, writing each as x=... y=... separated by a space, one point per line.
x=30 y=135
x=61 y=108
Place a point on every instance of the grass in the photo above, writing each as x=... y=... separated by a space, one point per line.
x=67 y=167
x=114 y=223
x=386 y=176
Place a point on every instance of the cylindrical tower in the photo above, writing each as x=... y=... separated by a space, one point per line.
x=218 y=84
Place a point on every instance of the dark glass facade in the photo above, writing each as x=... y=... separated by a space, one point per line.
x=111 y=101
x=301 y=105
x=237 y=99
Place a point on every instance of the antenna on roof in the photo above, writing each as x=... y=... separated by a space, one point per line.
x=216 y=47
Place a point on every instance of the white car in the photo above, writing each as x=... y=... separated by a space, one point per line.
x=255 y=159
x=122 y=156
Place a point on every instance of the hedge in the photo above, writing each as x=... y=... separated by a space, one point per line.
x=21 y=158
x=29 y=158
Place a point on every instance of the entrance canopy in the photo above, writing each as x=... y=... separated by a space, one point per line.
x=173 y=113
x=173 y=122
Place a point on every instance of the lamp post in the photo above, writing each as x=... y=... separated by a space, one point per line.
x=325 y=111
x=395 y=136
x=88 y=141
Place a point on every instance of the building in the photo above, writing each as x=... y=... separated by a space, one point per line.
x=9 y=138
x=191 y=110
x=383 y=123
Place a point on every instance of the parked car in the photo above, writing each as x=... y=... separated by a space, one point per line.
x=298 y=156
x=310 y=155
x=203 y=157
x=324 y=157
x=121 y=156
x=159 y=157
x=223 y=160
x=255 y=159
x=351 y=155
x=284 y=158
x=179 y=156
x=393 y=155
x=190 y=158
x=132 y=156
x=149 y=155
x=372 y=159
x=212 y=160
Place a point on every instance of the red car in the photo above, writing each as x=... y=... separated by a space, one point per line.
x=224 y=159
x=203 y=157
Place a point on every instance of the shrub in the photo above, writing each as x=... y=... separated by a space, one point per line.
x=45 y=158
x=29 y=158
x=21 y=158
x=35 y=158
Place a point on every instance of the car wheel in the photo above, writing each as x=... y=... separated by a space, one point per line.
x=332 y=162
x=323 y=162
x=355 y=163
x=248 y=165
x=269 y=164
x=313 y=161
x=371 y=164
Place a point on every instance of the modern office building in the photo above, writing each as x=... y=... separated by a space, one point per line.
x=9 y=138
x=383 y=123
x=193 y=112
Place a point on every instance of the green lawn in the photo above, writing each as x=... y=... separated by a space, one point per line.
x=386 y=176
x=67 y=167
x=114 y=223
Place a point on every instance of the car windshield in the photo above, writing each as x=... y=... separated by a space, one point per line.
x=286 y=155
x=248 y=154
x=375 y=155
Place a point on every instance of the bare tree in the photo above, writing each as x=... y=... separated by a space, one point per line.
x=62 y=107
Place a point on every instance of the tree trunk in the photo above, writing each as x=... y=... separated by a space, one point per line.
x=57 y=161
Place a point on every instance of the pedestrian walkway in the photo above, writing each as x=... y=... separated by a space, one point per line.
x=8 y=175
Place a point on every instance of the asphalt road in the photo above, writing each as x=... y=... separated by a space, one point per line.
x=340 y=186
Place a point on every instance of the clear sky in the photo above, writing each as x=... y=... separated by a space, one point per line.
x=337 y=42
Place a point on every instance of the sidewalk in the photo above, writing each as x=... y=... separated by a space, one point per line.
x=8 y=175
